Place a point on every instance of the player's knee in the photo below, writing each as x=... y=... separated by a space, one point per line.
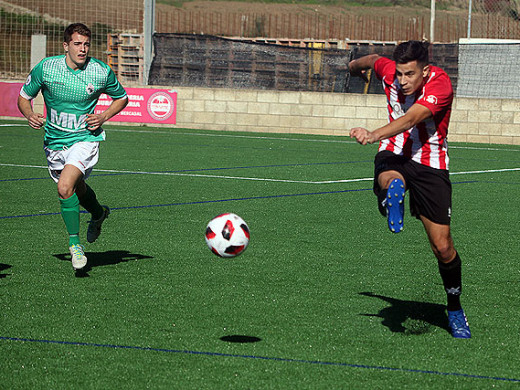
x=443 y=249
x=65 y=191
x=386 y=178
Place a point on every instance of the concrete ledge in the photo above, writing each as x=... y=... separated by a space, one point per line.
x=472 y=120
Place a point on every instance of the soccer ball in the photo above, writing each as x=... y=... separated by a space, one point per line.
x=227 y=235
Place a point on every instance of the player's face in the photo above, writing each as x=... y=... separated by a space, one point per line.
x=76 y=50
x=411 y=76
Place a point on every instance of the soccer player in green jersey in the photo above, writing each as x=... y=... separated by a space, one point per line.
x=71 y=85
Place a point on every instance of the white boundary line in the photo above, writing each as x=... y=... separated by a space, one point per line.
x=339 y=141
x=290 y=139
x=486 y=171
x=258 y=178
x=237 y=136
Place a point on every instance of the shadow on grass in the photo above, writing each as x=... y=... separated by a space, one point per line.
x=99 y=259
x=410 y=317
x=3 y=267
x=240 y=339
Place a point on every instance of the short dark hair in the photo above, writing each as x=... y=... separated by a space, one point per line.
x=412 y=51
x=79 y=28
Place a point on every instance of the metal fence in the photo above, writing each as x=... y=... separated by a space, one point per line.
x=20 y=19
x=496 y=19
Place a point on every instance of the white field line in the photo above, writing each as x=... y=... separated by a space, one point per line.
x=340 y=139
x=258 y=178
x=176 y=174
x=237 y=136
x=485 y=149
x=486 y=171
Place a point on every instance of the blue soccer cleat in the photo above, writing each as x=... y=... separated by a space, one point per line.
x=395 y=205
x=459 y=324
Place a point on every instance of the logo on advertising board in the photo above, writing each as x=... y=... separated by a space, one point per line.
x=160 y=106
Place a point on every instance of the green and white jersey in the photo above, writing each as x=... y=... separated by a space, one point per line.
x=69 y=96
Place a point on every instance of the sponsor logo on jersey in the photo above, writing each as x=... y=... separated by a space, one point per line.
x=68 y=122
x=160 y=106
x=28 y=81
x=90 y=89
x=397 y=110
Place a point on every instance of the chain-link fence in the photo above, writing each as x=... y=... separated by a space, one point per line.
x=494 y=19
x=21 y=19
x=455 y=19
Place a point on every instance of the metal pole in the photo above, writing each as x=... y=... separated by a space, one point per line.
x=148 y=31
x=469 y=19
x=432 y=21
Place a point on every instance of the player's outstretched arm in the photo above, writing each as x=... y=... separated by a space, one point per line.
x=359 y=66
x=94 y=121
x=416 y=114
x=35 y=120
x=362 y=135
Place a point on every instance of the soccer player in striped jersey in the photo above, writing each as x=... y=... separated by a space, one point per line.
x=413 y=156
x=71 y=85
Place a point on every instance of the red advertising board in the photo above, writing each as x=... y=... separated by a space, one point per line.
x=144 y=105
x=9 y=93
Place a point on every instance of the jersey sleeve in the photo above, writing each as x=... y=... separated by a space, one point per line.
x=385 y=69
x=33 y=83
x=438 y=93
x=113 y=88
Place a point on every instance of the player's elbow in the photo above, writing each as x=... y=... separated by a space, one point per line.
x=124 y=102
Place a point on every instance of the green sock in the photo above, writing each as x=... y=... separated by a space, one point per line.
x=70 y=214
x=90 y=203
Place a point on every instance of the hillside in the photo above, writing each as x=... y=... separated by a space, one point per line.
x=325 y=8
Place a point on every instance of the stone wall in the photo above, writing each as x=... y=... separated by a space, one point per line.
x=473 y=120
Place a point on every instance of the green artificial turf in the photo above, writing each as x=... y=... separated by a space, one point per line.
x=324 y=297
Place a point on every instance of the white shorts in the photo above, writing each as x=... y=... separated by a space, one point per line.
x=83 y=155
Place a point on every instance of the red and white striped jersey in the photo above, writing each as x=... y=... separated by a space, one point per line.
x=426 y=142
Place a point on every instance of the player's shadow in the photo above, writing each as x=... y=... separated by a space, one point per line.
x=410 y=317
x=241 y=339
x=3 y=267
x=99 y=259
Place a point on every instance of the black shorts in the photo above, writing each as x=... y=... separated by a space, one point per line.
x=429 y=188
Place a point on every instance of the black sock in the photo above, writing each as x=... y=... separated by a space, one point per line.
x=381 y=201
x=451 y=274
x=90 y=203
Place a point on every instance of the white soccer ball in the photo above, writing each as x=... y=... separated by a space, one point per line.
x=227 y=235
